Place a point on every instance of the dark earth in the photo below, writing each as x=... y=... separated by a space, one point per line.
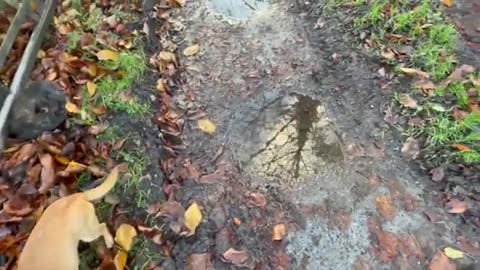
x=301 y=140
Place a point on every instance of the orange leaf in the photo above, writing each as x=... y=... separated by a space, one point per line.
x=107 y=55
x=385 y=207
x=441 y=262
x=447 y=3
x=91 y=88
x=279 y=232
x=456 y=206
x=72 y=108
x=462 y=147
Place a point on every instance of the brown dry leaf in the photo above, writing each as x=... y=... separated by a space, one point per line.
x=455 y=206
x=200 y=262
x=101 y=109
x=47 y=175
x=279 y=232
x=415 y=72
x=387 y=243
x=408 y=102
x=91 y=88
x=447 y=3
x=425 y=85
x=237 y=221
x=462 y=147
x=256 y=199
x=236 y=257
x=411 y=149
x=107 y=55
x=72 y=108
x=98 y=128
x=459 y=73
x=91 y=70
x=124 y=238
x=193 y=216
x=162 y=85
x=441 y=262
x=180 y=3
x=385 y=207
x=192 y=50
x=206 y=126
x=17 y=206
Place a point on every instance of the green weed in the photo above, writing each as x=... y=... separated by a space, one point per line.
x=74 y=38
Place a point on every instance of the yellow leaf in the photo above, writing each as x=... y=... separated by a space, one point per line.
x=124 y=238
x=75 y=167
x=193 y=216
x=62 y=160
x=162 y=85
x=192 y=50
x=41 y=54
x=107 y=55
x=72 y=108
x=453 y=253
x=207 y=126
x=447 y=3
x=91 y=88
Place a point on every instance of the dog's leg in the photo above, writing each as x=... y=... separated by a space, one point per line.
x=94 y=229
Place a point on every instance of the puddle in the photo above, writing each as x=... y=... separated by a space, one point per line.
x=238 y=9
x=290 y=139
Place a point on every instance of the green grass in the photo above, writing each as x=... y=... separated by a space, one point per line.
x=127 y=68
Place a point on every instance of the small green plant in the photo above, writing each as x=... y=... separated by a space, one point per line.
x=74 y=38
x=93 y=19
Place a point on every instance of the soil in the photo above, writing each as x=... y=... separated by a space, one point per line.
x=301 y=140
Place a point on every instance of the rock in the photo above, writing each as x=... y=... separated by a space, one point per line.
x=38 y=108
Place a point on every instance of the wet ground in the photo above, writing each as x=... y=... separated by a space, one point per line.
x=299 y=115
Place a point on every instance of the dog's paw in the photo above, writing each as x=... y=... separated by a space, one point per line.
x=108 y=240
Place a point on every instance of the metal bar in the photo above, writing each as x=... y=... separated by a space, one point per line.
x=12 y=33
x=26 y=65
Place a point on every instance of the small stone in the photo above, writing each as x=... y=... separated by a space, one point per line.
x=437 y=174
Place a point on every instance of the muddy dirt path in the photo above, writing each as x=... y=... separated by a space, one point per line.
x=299 y=115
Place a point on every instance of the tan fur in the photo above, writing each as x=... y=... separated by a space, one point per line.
x=54 y=240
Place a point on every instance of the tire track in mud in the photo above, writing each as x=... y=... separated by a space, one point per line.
x=298 y=115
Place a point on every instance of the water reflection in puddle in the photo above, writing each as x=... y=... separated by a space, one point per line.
x=237 y=9
x=289 y=138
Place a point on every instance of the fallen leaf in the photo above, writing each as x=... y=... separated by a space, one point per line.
x=52 y=76
x=237 y=221
x=179 y=3
x=412 y=71
x=16 y=206
x=162 y=85
x=167 y=57
x=453 y=253
x=200 y=262
x=425 y=85
x=75 y=167
x=408 y=101
x=98 y=128
x=411 y=149
x=387 y=243
x=123 y=237
x=91 y=88
x=206 y=126
x=447 y=3
x=238 y=258
x=193 y=216
x=388 y=54
x=101 y=109
x=441 y=262
x=385 y=207
x=192 y=50
x=459 y=74
x=455 y=206
x=437 y=174
x=107 y=55
x=256 y=199
x=72 y=108
x=279 y=232
x=41 y=54
x=47 y=175
x=462 y=147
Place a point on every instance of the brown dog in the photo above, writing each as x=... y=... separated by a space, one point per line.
x=54 y=240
